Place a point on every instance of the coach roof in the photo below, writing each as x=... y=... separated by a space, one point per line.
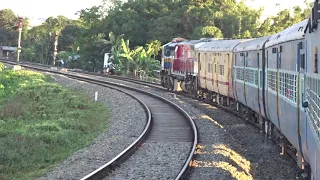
x=294 y=32
x=196 y=43
x=252 y=45
x=220 y=45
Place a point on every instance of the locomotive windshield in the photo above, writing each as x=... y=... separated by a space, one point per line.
x=166 y=51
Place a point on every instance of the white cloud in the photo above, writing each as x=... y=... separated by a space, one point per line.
x=272 y=7
x=46 y=8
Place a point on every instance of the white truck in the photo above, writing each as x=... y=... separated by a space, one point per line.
x=108 y=66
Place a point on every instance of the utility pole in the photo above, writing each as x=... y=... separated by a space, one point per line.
x=19 y=40
x=56 y=36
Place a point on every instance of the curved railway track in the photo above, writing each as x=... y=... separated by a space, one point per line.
x=226 y=109
x=245 y=117
x=167 y=122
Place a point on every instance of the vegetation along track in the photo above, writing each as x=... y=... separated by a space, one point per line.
x=169 y=123
x=261 y=155
x=128 y=79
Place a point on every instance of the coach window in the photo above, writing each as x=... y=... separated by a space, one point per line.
x=315 y=59
x=204 y=60
x=209 y=63
x=246 y=59
x=279 y=51
x=243 y=60
x=279 y=63
x=303 y=62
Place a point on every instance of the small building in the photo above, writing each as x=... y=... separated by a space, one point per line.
x=7 y=51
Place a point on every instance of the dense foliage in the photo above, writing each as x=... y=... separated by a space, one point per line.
x=42 y=123
x=143 y=22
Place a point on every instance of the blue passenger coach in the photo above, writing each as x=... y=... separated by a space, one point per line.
x=283 y=56
x=310 y=112
x=248 y=70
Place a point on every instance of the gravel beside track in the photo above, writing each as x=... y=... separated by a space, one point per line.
x=229 y=148
x=154 y=160
x=126 y=122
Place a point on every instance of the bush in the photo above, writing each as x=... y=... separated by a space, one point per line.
x=42 y=123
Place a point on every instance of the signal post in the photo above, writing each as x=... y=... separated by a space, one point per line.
x=19 y=39
x=18 y=67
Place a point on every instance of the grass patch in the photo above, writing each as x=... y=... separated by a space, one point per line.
x=42 y=123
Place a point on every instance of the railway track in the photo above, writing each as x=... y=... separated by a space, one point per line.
x=158 y=86
x=167 y=122
x=244 y=117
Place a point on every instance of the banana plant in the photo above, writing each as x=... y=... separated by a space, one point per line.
x=127 y=54
x=153 y=48
x=147 y=64
x=115 y=46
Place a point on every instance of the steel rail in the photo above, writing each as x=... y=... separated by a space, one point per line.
x=103 y=170
x=226 y=109
x=184 y=170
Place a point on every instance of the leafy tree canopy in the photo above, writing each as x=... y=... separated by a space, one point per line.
x=146 y=23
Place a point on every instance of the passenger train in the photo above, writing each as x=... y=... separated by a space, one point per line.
x=274 y=80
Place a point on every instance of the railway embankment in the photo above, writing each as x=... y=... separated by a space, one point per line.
x=42 y=123
x=127 y=120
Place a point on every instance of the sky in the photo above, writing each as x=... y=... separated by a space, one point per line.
x=47 y=8
x=271 y=8
x=43 y=9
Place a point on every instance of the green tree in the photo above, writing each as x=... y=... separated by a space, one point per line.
x=92 y=41
x=115 y=46
x=29 y=54
x=8 y=22
x=55 y=26
x=8 y=19
x=147 y=24
x=208 y=31
x=68 y=40
x=153 y=48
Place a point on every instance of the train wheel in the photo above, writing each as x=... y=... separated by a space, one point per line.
x=214 y=98
x=166 y=82
x=306 y=173
x=162 y=81
x=171 y=84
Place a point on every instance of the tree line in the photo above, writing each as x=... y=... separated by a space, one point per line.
x=148 y=24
